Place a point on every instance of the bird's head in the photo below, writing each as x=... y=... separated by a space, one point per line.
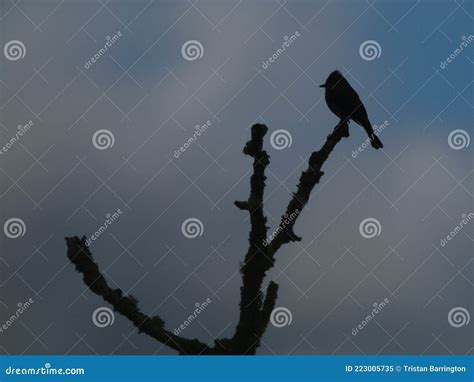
x=332 y=80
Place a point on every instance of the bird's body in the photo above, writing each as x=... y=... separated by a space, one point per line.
x=343 y=101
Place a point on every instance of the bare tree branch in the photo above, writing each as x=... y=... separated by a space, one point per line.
x=79 y=254
x=255 y=306
x=252 y=319
x=260 y=256
x=308 y=179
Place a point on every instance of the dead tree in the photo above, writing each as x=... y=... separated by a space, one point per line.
x=255 y=305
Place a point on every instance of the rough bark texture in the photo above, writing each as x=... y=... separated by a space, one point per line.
x=255 y=305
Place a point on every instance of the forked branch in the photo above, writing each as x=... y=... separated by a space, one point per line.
x=255 y=305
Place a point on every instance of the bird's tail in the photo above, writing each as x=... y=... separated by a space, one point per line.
x=374 y=140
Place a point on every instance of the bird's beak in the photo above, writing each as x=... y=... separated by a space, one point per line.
x=322 y=86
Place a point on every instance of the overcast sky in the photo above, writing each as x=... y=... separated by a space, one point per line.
x=149 y=96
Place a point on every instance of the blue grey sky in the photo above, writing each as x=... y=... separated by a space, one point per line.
x=150 y=98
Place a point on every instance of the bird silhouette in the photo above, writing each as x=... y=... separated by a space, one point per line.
x=343 y=101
